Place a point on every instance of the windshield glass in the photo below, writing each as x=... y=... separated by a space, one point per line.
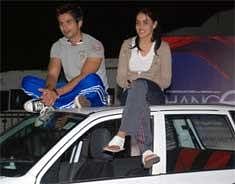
x=23 y=145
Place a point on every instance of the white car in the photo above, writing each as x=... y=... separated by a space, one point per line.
x=195 y=143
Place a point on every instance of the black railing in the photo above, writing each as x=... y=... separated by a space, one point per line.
x=11 y=118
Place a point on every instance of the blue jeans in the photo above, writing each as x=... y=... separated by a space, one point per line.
x=91 y=87
x=136 y=113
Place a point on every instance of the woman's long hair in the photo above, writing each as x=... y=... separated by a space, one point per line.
x=156 y=36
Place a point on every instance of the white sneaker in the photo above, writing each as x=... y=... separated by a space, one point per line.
x=44 y=116
x=149 y=158
x=81 y=101
x=33 y=105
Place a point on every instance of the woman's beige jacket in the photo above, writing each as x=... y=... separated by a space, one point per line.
x=160 y=71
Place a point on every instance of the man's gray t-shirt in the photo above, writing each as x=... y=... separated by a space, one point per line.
x=73 y=57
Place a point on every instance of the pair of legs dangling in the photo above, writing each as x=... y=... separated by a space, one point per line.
x=90 y=91
x=136 y=119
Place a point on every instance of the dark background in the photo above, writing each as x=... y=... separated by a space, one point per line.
x=28 y=29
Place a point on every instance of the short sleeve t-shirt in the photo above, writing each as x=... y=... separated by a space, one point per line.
x=73 y=57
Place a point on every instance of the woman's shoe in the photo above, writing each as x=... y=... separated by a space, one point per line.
x=115 y=145
x=149 y=158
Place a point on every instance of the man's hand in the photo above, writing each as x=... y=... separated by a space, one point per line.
x=49 y=96
x=129 y=84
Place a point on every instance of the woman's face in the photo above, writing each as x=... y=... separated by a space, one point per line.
x=144 y=25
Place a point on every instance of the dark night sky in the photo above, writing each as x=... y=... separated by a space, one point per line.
x=29 y=28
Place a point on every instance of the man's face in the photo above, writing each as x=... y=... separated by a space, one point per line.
x=68 y=25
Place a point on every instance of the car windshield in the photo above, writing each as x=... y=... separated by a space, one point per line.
x=23 y=145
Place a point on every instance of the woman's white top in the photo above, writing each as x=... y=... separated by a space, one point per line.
x=139 y=63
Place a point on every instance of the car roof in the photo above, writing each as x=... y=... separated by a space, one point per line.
x=168 y=107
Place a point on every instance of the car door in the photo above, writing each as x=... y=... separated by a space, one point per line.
x=199 y=147
x=83 y=159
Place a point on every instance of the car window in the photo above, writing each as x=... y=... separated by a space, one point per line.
x=85 y=160
x=26 y=143
x=199 y=142
x=214 y=131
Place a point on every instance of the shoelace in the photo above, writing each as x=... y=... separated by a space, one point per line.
x=45 y=110
x=38 y=105
x=45 y=114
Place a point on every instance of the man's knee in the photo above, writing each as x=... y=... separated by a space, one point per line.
x=29 y=81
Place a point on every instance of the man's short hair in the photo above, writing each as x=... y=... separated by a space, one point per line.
x=72 y=9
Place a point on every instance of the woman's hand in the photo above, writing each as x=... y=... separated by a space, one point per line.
x=129 y=84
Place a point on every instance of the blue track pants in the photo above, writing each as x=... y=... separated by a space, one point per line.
x=91 y=87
